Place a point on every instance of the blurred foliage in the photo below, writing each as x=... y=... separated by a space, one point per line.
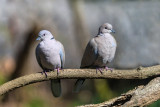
x=103 y=90
x=36 y=102
x=2 y=78
x=156 y=104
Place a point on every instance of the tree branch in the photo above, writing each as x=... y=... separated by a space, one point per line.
x=140 y=96
x=139 y=73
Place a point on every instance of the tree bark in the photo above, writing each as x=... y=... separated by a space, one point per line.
x=140 y=96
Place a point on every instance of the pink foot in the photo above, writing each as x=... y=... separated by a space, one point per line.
x=108 y=69
x=58 y=71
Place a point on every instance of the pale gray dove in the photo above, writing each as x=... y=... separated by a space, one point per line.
x=50 y=55
x=99 y=52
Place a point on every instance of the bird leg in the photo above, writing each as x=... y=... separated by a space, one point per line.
x=58 y=71
x=108 y=69
x=99 y=69
x=44 y=71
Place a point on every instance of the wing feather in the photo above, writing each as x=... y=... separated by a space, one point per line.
x=90 y=54
x=62 y=54
x=38 y=56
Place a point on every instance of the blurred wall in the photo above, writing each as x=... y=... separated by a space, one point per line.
x=75 y=22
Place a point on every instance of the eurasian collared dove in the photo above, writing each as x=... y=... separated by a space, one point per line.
x=50 y=55
x=99 y=52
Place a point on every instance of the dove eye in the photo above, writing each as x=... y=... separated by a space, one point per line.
x=106 y=28
x=44 y=34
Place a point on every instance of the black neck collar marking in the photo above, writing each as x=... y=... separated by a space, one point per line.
x=52 y=38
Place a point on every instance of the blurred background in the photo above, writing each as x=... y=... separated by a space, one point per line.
x=74 y=23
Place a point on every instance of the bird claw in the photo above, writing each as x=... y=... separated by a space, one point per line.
x=44 y=73
x=108 y=69
x=99 y=69
x=58 y=71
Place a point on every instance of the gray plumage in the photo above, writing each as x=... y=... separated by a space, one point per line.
x=50 y=55
x=99 y=51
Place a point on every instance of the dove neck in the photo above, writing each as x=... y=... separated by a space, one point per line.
x=103 y=34
x=48 y=39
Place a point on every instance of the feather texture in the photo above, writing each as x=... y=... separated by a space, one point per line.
x=50 y=56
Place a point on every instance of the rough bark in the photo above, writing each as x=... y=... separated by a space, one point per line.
x=140 y=96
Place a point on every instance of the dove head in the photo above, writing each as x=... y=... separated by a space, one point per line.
x=106 y=28
x=44 y=35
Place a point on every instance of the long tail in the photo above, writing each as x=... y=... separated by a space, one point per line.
x=56 y=87
x=78 y=85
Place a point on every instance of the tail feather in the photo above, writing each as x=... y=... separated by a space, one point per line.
x=78 y=85
x=56 y=87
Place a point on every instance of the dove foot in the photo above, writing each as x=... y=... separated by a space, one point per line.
x=58 y=71
x=108 y=69
x=44 y=71
x=99 y=69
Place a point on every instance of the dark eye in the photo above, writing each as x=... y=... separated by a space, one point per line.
x=106 y=28
x=44 y=34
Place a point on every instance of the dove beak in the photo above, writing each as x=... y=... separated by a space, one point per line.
x=113 y=31
x=39 y=38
